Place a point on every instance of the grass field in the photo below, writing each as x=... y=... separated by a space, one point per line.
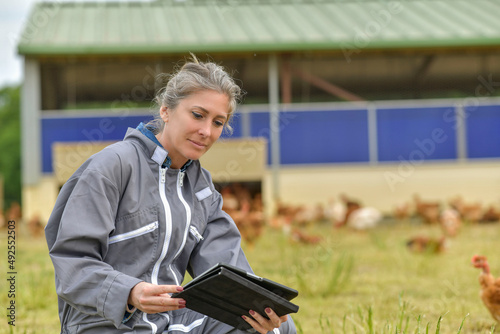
x=350 y=282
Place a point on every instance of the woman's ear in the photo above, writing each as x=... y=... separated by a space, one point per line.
x=164 y=113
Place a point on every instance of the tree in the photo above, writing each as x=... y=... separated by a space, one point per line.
x=10 y=144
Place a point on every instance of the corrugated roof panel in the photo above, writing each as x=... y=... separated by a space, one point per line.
x=226 y=19
x=257 y=25
x=416 y=16
x=180 y=23
x=447 y=25
x=63 y=22
x=273 y=23
x=144 y=14
x=208 y=31
x=167 y=24
x=113 y=29
x=384 y=24
x=92 y=21
x=160 y=32
x=250 y=18
x=403 y=22
x=322 y=23
x=461 y=28
x=51 y=28
x=487 y=14
x=307 y=30
x=469 y=15
x=326 y=20
x=138 y=30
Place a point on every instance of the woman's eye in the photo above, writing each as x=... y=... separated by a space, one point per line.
x=218 y=123
x=197 y=115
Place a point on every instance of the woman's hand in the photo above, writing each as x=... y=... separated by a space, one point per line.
x=263 y=325
x=151 y=298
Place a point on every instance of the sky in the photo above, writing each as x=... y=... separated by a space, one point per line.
x=13 y=16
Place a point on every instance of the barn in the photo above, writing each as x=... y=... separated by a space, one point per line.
x=376 y=99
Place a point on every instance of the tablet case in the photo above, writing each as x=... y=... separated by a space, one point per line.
x=226 y=293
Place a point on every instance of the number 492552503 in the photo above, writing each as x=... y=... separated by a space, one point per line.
x=11 y=244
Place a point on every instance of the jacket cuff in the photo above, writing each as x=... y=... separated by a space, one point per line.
x=129 y=312
x=115 y=294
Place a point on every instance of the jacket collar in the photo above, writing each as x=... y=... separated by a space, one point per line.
x=155 y=149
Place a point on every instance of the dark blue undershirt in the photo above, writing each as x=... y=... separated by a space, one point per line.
x=148 y=132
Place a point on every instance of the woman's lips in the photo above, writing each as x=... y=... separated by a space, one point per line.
x=198 y=144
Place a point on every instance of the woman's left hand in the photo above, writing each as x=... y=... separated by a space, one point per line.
x=263 y=325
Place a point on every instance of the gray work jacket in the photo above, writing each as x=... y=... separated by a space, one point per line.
x=121 y=219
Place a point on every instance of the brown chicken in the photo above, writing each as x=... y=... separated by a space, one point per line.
x=250 y=223
x=491 y=215
x=470 y=212
x=423 y=244
x=490 y=286
x=402 y=211
x=428 y=211
x=298 y=236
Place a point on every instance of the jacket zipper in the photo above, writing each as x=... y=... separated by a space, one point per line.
x=132 y=234
x=180 y=179
x=168 y=226
x=195 y=233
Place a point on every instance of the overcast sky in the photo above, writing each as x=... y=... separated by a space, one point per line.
x=13 y=17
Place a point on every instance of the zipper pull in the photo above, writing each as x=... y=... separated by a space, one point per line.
x=196 y=234
x=181 y=178
x=163 y=174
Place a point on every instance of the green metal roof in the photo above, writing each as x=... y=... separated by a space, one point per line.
x=171 y=26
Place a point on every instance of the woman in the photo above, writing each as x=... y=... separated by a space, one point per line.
x=136 y=216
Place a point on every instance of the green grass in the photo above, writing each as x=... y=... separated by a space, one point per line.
x=351 y=282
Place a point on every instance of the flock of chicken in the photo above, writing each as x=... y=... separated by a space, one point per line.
x=247 y=212
x=246 y=209
x=449 y=217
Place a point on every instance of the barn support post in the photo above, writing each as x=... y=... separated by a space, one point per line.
x=274 y=122
x=30 y=120
x=461 y=132
x=372 y=134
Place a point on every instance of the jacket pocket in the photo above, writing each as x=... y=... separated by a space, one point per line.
x=135 y=233
x=133 y=245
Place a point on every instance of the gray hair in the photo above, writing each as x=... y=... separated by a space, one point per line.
x=195 y=76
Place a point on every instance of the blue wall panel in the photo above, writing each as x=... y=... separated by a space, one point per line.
x=483 y=131
x=84 y=129
x=416 y=134
x=260 y=127
x=309 y=137
x=327 y=136
x=235 y=123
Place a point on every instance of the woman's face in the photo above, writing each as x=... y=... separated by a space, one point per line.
x=193 y=126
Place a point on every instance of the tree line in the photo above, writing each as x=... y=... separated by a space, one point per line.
x=10 y=144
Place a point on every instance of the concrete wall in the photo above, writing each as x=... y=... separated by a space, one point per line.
x=385 y=186
x=382 y=186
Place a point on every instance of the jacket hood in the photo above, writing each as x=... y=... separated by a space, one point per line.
x=157 y=153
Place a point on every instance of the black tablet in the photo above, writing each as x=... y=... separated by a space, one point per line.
x=225 y=293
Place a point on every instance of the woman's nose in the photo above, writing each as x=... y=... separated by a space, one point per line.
x=204 y=129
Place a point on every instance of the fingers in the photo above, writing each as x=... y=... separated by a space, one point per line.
x=153 y=289
x=151 y=298
x=262 y=324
